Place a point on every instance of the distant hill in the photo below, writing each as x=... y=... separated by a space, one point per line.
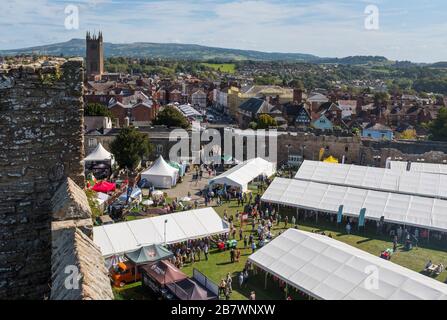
x=76 y=47
x=439 y=64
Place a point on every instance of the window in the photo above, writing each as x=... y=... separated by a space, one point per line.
x=346 y=149
x=159 y=148
x=92 y=142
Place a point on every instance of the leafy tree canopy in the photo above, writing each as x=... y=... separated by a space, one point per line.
x=438 y=127
x=97 y=109
x=171 y=117
x=265 y=121
x=129 y=147
x=408 y=134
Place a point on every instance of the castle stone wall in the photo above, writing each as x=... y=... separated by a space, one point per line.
x=41 y=143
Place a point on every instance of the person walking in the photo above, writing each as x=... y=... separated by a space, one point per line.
x=245 y=241
x=229 y=281
x=199 y=251
x=241 y=279
x=222 y=286
x=227 y=293
x=253 y=247
x=232 y=255
x=205 y=251
x=246 y=277
x=348 y=228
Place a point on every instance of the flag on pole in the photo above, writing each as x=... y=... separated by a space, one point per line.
x=340 y=214
x=362 y=217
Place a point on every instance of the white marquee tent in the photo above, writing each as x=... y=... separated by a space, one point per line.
x=161 y=174
x=419 y=167
x=119 y=238
x=240 y=175
x=398 y=208
x=99 y=154
x=381 y=179
x=327 y=269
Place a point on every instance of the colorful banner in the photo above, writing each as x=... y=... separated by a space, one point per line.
x=362 y=217
x=340 y=214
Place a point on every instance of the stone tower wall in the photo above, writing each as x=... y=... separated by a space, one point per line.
x=41 y=143
x=94 y=55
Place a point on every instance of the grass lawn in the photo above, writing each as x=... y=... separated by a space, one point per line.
x=223 y=67
x=219 y=263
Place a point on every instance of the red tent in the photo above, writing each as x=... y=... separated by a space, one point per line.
x=104 y=187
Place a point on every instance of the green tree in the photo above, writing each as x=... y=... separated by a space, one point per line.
x=408 y=134
x=253 y=125
x=265 y=121
x=381 y=98
x=438 y=127
x=356 y=131
x=129 y=147
x=97 y=109
x=171 y=117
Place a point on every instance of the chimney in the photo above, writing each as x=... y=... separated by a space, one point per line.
x=297 y=96
x=106 y=123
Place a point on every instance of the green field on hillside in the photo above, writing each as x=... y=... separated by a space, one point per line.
x=222 y=67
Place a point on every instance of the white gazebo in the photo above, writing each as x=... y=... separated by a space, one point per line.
x=161 y=174
x=100 y=154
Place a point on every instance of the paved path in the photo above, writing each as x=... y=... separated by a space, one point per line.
x=181 y=189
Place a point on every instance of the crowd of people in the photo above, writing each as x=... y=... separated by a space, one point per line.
x=193 y=250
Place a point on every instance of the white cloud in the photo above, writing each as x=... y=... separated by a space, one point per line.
x=322 y=27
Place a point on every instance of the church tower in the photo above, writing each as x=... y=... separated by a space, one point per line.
x=94 y=55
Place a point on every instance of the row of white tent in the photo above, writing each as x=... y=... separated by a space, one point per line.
x=436 y=168
x=119 y=238
x=381 y=179
x=327 y=269
x=242 y=174
x=424 y=212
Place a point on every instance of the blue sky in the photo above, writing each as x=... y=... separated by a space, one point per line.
x=408 y=30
